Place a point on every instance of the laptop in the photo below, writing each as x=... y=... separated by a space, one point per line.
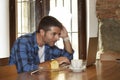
x=92 y=51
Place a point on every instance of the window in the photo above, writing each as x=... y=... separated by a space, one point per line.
x=27 y=11
x=26 y=16
x=66 y=12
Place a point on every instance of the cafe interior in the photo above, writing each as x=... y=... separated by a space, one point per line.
x=93 y=27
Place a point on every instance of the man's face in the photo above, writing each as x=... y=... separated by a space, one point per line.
x=51 y=36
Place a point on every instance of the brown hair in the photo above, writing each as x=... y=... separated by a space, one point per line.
x=47 y=22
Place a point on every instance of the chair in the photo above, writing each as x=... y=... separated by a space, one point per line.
x=8 y=72
x=4 y=61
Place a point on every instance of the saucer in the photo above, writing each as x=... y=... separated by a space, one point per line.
x=77 y=69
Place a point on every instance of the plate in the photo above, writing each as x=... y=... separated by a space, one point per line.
x=77 y=69
x=41 y=69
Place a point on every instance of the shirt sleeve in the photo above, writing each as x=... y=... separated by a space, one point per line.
x=19 y=57
x=67 y=54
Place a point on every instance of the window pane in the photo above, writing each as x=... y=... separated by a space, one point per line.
x=19 y=18
x=26 y=16
x=74 y=16
x=75 y=44
x=60 y=43
x=23 y=0
x=66 y=12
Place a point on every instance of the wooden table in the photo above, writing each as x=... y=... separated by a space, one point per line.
x=105 y=70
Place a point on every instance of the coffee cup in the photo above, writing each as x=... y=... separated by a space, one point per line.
x=76 y=63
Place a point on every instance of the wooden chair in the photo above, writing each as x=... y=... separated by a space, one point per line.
x=4 y=61
x=8 y=72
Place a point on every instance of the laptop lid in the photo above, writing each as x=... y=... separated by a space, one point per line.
x=92 y=51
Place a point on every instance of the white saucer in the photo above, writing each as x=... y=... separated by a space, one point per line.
x=77 y=69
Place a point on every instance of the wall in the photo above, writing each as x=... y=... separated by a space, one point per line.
x=4 y=28
x=108 y=12
x=108 y=9
x=92 y=22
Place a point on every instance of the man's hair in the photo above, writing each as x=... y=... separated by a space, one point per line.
x=47 y=22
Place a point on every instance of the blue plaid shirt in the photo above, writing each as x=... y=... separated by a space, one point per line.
x=24 y=53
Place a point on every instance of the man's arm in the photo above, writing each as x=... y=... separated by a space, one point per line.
x=67 y=47
x=66 y=41
x=19 y=57
x=60 y=60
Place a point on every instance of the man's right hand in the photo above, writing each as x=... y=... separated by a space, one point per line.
x=62 y=60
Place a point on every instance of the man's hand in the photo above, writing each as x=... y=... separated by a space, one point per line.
x=66 y=41
x=64 y=33
x=62 y=60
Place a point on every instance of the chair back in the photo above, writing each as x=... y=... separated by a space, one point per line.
x=4 y=61
x=8 y=72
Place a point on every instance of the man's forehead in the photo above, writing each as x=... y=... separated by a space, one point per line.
x=55 y=28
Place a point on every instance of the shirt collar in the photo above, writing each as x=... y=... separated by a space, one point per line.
x=35 y=39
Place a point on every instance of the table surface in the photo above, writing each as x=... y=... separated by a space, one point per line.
x=102 y=70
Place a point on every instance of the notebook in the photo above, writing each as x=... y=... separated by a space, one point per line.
x=92 y=51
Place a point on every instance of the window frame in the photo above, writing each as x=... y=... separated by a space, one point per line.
x=42 y=8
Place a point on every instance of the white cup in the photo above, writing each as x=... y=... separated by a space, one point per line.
x=76 y=63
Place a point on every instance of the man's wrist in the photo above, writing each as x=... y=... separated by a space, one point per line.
x=66 y=39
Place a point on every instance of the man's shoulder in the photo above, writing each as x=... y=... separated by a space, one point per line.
x=27 y=37
x=52 y=47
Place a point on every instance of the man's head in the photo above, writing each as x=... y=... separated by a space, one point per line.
x=47 y=22
x=50 y=30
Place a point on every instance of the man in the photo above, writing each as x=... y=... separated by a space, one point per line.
x=35 y=50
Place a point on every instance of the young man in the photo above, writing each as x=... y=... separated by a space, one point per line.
x=31 y=51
